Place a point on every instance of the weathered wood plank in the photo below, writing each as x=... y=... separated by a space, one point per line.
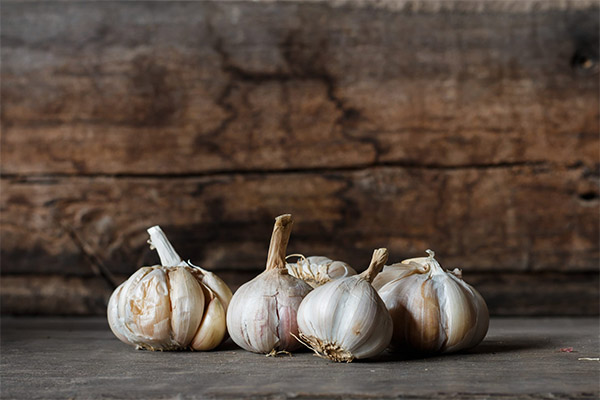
x=53 y=295
x=46 y=358
x=194 y=87
x=501 y=219
x=468 y=127
x=543 y=293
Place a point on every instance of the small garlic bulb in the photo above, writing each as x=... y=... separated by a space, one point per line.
x=433 y=310
x=318 y=270
x=170 y=307
x=262 y=313
x=345 y=318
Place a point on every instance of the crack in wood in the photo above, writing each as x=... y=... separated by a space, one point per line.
x=300 y=68
x=281 y=171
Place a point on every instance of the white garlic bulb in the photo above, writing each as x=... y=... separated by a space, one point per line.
x=262 y=312
x=171 y=306
x=433 y=310
x=345 y=319
x=318 y=270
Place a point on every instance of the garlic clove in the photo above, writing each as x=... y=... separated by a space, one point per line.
x=361 y=330
x=458 y=311
x=477 y=320
x=114 y=321
x=286 y=309
x=416 y=314
x=123 y=306
x=187 y=305
x=381 y=334
x=150 y=306
x=214 y=283
x=117 y=306
x=212 y=329
x=148 y=310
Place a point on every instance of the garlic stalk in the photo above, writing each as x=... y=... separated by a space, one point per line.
x=171 y=306
x=318 y=270
x=345 y=319
x=262 y=312
x=433 y=310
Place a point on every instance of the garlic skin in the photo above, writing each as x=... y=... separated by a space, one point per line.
x=170 y=307
x=318 y=270
x=434 y=311
x=346 y=319
x=262 y=313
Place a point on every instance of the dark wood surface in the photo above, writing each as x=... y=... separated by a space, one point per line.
x=80 y=358
x=471 y=128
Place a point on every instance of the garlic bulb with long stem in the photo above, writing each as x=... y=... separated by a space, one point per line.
x=262 y=312
x=318 y=270
x=171 y=306
x=433 y=310
x=345 y=319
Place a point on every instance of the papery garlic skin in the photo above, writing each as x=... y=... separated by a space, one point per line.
x=346 y=319
x=169 y=307
x=265 y=319
x=433 y=310
x=262 y=313
x=318 y=270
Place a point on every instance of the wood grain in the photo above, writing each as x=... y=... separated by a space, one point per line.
x=193 y=87
x=471 y=128
x=519 y=359
x=504 y=219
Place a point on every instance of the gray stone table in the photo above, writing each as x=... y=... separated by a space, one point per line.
x=78 y=358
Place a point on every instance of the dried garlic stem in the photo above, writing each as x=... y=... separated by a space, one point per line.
x=166 y=252
x=279 y=241
x=378 y=260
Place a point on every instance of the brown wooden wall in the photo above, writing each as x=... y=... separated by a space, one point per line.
x=471 y=128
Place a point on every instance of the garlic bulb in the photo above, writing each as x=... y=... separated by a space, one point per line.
x=433 y=310
x=345 y=318
x=262 y=312
x=318 y=270
x=170 y=307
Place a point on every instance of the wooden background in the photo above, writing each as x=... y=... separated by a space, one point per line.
x=470 y=128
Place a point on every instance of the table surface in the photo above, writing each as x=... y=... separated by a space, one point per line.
x=80 y=358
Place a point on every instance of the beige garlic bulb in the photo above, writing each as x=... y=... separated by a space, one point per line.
x=345 y=319
x=318 y=270
x=262 y=312
x=433 y=310
x=171 y=306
